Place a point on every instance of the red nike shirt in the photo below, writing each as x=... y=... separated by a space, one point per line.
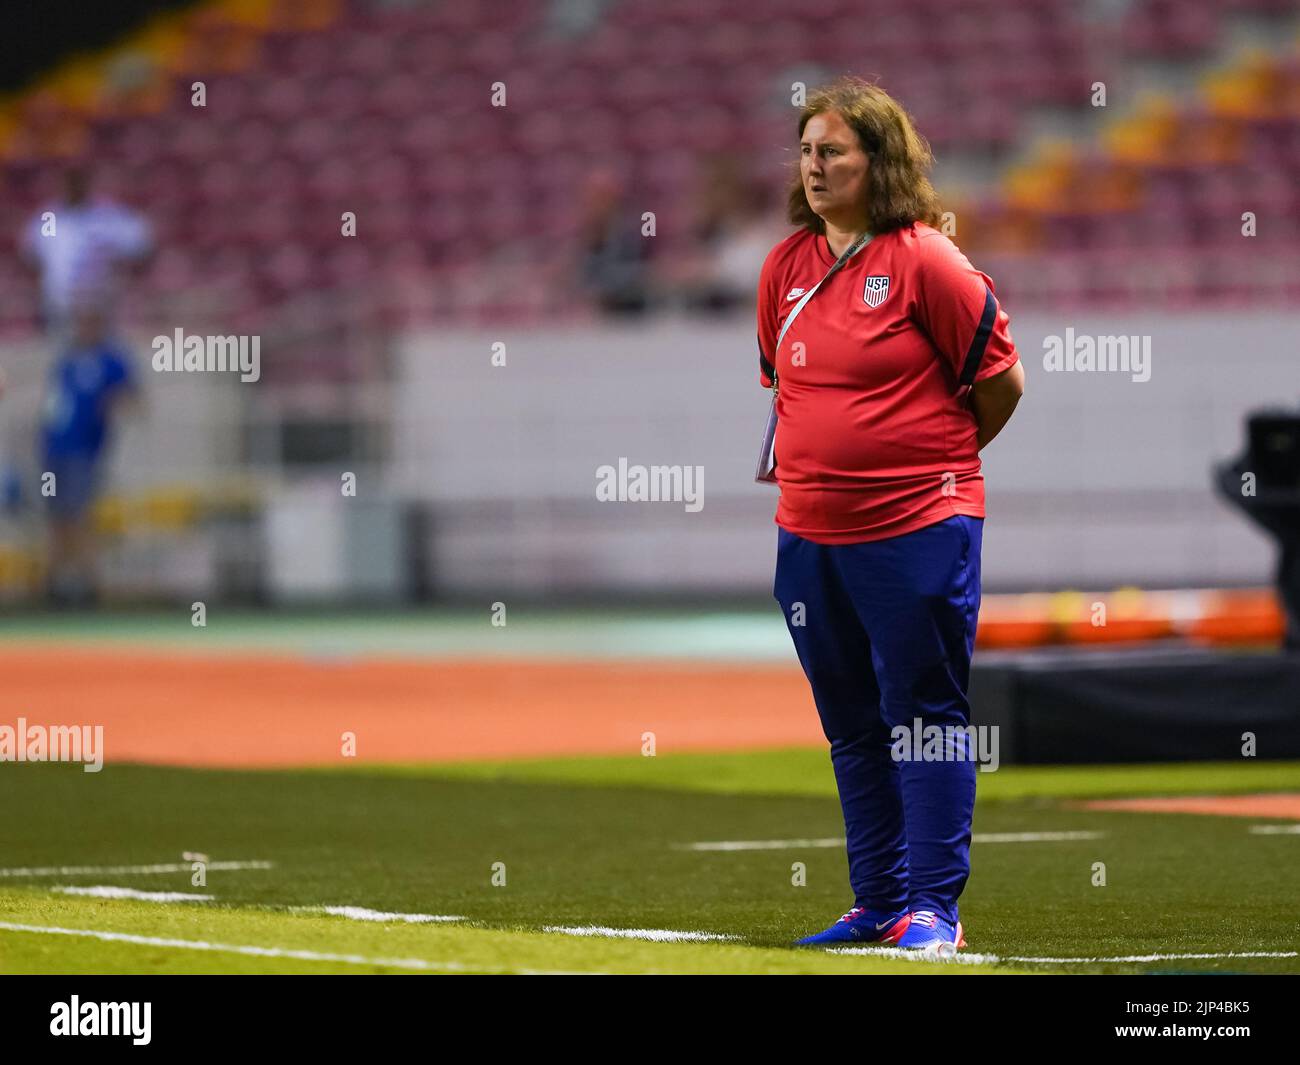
x=875 y=437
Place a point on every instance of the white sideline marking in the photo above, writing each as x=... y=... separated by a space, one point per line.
x=1275 y=830
x=760 y=844
x=1032 y=837
x=95 y=870
x=360 y=913
x=658 y=935
x=993 y=959
x=1167 y=957
x=271 y=952
x=838 y=841
x=900 y=954
x=106 y=891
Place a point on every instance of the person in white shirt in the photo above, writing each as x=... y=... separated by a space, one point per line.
x=81 y=245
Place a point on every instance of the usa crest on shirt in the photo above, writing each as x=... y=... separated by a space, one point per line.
x=876 y=290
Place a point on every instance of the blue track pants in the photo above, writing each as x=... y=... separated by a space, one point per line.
x=884 y=632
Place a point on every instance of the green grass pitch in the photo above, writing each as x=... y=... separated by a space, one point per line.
x=602 y=842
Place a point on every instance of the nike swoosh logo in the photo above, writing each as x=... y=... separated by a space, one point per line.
x=886 y=924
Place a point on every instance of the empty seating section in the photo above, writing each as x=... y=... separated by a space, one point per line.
x=315 y=108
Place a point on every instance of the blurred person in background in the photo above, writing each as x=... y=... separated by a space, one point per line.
x=82 y=243
x=80 y=246
x=899 y=370
x=731 y=232
x=91 y=383
x=612 y=268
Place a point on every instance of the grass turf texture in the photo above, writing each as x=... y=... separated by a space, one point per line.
x=592 y=841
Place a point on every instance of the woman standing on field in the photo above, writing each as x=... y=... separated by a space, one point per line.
x=893 y=366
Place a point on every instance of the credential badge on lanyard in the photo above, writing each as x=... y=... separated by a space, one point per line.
x=766 y=472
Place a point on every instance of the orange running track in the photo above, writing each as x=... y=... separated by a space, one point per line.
x=241 y=710
x=1281 y=805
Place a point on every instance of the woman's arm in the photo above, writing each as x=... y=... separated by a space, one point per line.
x=994 y=398
x=957 y=309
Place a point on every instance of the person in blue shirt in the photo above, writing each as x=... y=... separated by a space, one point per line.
x=90 y=383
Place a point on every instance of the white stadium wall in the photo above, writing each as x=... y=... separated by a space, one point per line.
x=1098 y=481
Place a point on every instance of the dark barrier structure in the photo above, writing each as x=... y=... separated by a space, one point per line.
x=1265 y=483
x=1143 y=704
x=1167 y=702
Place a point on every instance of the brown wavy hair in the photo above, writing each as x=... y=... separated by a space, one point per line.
x=898 y=184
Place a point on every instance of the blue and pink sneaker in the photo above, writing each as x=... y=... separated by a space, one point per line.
x=930 y=933
x=861 y=925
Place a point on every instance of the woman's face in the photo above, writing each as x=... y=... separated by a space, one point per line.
x=834 y=170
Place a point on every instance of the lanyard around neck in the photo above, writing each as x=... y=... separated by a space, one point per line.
x=847 y=254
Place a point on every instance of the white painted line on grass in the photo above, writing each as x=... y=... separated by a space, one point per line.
x=761 y=844
x=360 y=913
x=901 y=954
x=993 y=959
x=657 y=935
x=1032 y=837
x=107 y=891
x=1164 y=957
x=838 y=841
x=273 y=952
x=1275 y=830
x=97 y=870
